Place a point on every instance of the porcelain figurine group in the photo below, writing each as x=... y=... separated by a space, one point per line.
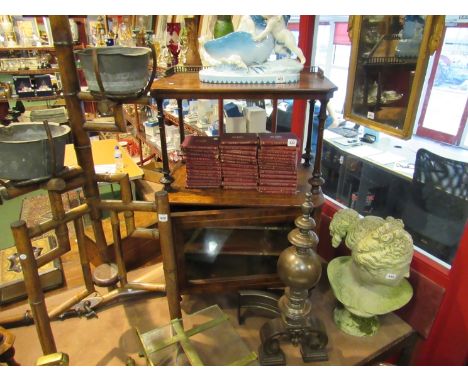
x=244 y=56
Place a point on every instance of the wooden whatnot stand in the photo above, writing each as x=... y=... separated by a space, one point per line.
x=312 y=86
x=259 y=209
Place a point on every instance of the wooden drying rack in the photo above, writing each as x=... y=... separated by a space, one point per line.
x=84 y=176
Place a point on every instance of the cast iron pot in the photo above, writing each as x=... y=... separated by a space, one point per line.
x=26 y=153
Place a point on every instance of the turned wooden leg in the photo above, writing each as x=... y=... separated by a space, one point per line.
x=307 y=156
x=167 y=179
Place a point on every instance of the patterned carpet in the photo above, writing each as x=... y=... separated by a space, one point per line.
x=11 y=278
x=36 y=209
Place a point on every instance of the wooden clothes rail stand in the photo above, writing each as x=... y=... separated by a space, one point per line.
x=30 y=264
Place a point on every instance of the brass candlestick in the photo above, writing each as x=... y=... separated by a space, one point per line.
x=300 y=269
x=100 y=32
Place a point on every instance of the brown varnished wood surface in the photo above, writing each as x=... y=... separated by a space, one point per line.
x=235 y=198
x=114 y=330
x=342 y=348
x=235 y=217
x=188 y=85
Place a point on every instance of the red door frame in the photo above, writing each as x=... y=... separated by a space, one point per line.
x=432 y=134
x=306 y=39
x=447 y=343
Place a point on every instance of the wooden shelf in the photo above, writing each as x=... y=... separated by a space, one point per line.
x=236 y=198
x=131 y=120
x=384 y=53
x=40 y=48
x=146 y=139
x=23 y=72
x=192 y=129
x=44 y=98
x=19 y=48
x=174 y=119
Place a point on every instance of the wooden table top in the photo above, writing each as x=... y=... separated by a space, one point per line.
x=103 y=153
x=188 y=85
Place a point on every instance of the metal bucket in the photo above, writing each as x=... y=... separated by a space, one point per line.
x=123 y=70
x=26 y=153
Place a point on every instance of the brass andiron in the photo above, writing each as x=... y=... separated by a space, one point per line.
x=300 y=269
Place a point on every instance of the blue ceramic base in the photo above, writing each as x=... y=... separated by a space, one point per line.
x=272 y=72
x=211 y=76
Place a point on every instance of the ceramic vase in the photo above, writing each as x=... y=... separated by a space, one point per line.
x=192 y=55
x=74 y=30
x=172 y=41
x=223 y=26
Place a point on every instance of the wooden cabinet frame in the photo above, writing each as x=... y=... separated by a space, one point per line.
x=414 y=68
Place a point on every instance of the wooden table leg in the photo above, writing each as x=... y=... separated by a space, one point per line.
x=317 y=181
x=180 y=113
x=307 y=156
x=274 y=115
x=221 y=116
x=166 y=179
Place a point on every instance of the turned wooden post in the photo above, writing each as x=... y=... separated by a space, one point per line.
x=7 y=349
x=71 y=87
x=180 y=113
x=310 y=125
x=166 y=239
x=33 y=287
x=317 y=181
x=166 y=179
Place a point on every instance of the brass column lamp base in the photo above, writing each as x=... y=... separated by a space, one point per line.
x=300 y=269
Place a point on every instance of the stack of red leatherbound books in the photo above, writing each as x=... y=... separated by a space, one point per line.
x=202 y=161
x=239 y=161
x=277 y=163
